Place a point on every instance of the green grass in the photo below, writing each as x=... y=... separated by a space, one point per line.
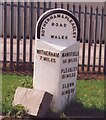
x=89 y=95
x=9 y=85
x=89 y=100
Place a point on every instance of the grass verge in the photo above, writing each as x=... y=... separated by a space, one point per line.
x=89 y=99
x=9 y=85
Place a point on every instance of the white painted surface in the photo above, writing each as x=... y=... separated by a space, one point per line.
x=58 y=26
x=53 y=71
x=48 y=76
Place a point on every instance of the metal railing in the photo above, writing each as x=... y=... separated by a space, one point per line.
x=91 y=35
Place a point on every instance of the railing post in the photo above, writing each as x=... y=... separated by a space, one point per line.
x=84 y=39
x=44 y=10
x=73 y=9
x=61 y=4
x=68 y=6
x=38 y=10
x=18 y=35
x=31 y=36
x=5 y=35
x=95 y=39
x=105 y=38
x=49 y=5
x=90 y=39
x=101 y=40
x=55 y=4
x=11 y=36
x=24 y=35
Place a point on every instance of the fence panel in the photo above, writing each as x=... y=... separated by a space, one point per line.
x=91 y=47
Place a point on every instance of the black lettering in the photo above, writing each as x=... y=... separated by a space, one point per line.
x=65 y=25
x=66 y=37
x=62 y=37
x=72 y=84
x=42 y=34
x=62 y=54
x=52 y=24
x=60 y=25
x=54 y=16
x=56 y=24
x=55 y=36
x=63 y=86
x=48 y=19
x=62 y=16
x=51 y=17
x=43 y=31
x=52 y=36
x=73 y=24
x=53 y=60
x=44 y=25
x=65 y=61
x=71 y=21
x=58 y=15
x=63 y=93
x=63 y=76
x=40 y=57
x=45 y=22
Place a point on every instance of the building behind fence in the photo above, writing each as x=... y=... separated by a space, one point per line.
x=19 y=21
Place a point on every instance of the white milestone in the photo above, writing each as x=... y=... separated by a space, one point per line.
x=56 y=56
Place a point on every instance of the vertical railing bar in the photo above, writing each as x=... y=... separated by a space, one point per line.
x=5 y=36
x=95 y=38
x=11 y=36
x=104 y=69
x=44 y=10
x=31 y=31
x=84 y=39
x=55 y=4
x=100 y=44
x=74 y=9
x=38 y=10
x=79 y=14
x=79 y=18
x=49 y=5
x=68 y=6
x=61 y=4
x=18 y=34
x=24 y=39
x=90 y=39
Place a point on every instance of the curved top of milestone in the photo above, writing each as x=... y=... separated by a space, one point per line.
x=58 y=24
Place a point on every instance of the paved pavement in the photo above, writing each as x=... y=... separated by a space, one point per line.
x=27 y=51
x=1 y=117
